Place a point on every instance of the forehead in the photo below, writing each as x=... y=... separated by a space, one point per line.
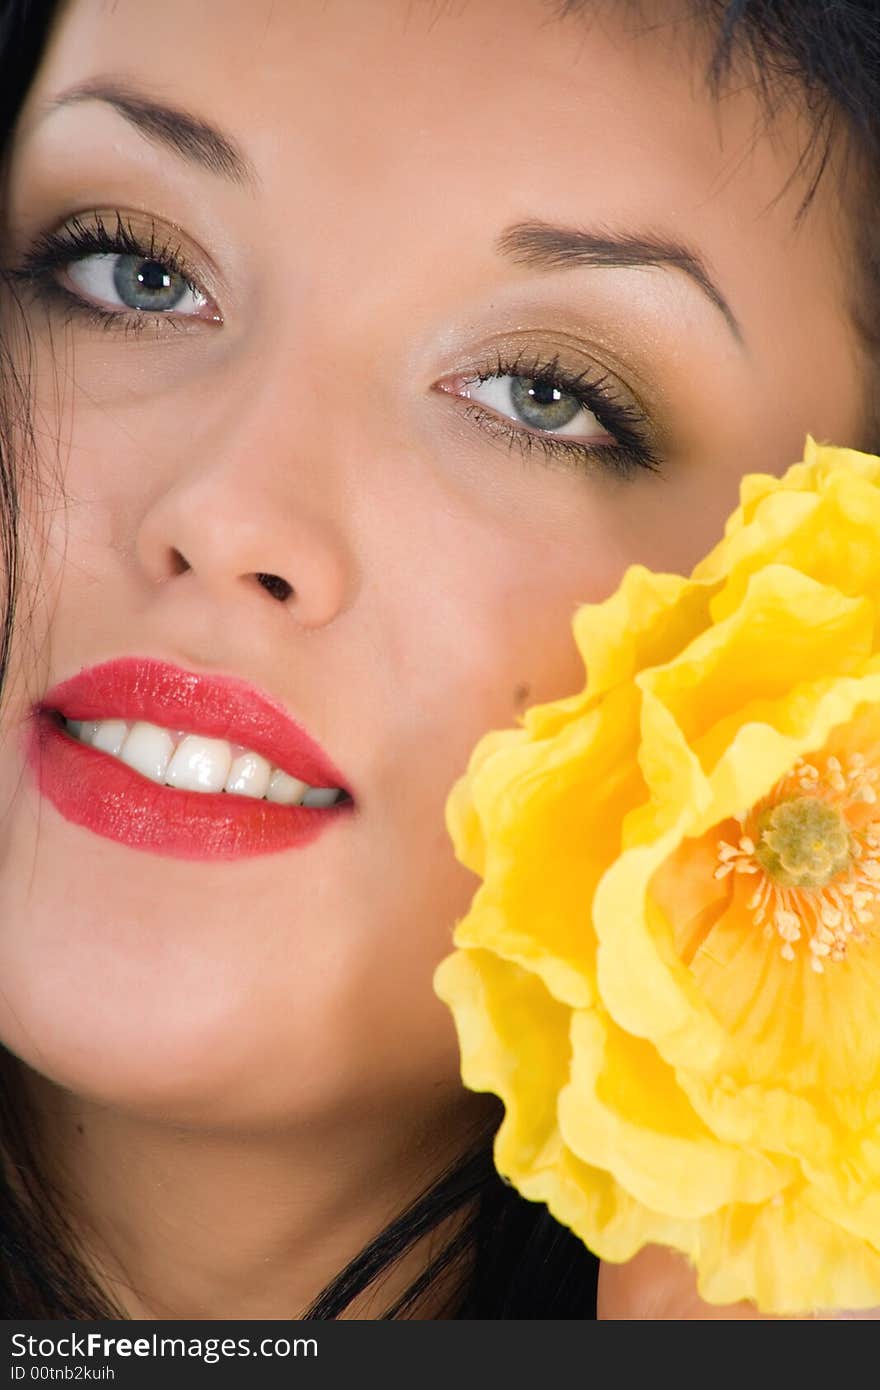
x=505 y=91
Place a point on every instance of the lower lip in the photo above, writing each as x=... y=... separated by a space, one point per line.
x=97 y=791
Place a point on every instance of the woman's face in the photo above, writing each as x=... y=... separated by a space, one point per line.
x=353 y=362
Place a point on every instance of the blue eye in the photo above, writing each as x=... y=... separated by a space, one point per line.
x=582 y=417
x=124 y=281
x=541 y=405
x=107 y=268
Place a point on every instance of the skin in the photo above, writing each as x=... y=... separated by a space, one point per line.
x=244 y=1064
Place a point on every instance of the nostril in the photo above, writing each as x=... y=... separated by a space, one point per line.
x=277 y=587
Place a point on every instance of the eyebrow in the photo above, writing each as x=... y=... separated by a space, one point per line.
x=186 y=134
x=541 y=246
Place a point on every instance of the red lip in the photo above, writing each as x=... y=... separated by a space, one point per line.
x=98 y=791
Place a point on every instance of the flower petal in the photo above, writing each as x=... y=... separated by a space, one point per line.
x=624 y=1111
x=787 y=1258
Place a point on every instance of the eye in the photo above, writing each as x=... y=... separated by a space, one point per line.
x=581 y=416
x=542 y=403
x=135 y=282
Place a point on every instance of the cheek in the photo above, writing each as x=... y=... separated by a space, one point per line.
x=471 y=648
x=510 y=624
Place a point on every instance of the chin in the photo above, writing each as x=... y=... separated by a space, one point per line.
x=188 y=1077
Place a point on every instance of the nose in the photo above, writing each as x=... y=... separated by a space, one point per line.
x=243 y=524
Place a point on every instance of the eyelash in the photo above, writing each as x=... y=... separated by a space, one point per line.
x=632 y=451
x=78 y=239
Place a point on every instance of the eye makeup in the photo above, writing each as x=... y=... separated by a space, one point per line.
x=157 y=248
x=627 y=447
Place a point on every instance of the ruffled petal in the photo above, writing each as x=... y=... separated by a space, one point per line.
x=624 y=1111
x=555 y=808
x=645 y=621
x=787 y=1258
x=513 y=1038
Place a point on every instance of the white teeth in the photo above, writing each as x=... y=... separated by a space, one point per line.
x=148 y=750
x=320 y=796
x=249 y=775
x=199 y=764
x=286 y=790
x=109 y=736
x=192 y=762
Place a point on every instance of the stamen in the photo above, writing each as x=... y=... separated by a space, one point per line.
x=819 y=870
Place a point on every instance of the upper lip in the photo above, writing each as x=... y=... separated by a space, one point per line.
x=226 y=707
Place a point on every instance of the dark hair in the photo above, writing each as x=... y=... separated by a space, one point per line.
x=508 y=1258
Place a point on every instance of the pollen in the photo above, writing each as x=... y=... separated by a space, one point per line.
x=815 y=857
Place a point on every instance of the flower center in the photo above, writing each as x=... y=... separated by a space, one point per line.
x=803 y=842
x=816 y=855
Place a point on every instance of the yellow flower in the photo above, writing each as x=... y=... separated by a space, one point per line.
x=670 y=972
